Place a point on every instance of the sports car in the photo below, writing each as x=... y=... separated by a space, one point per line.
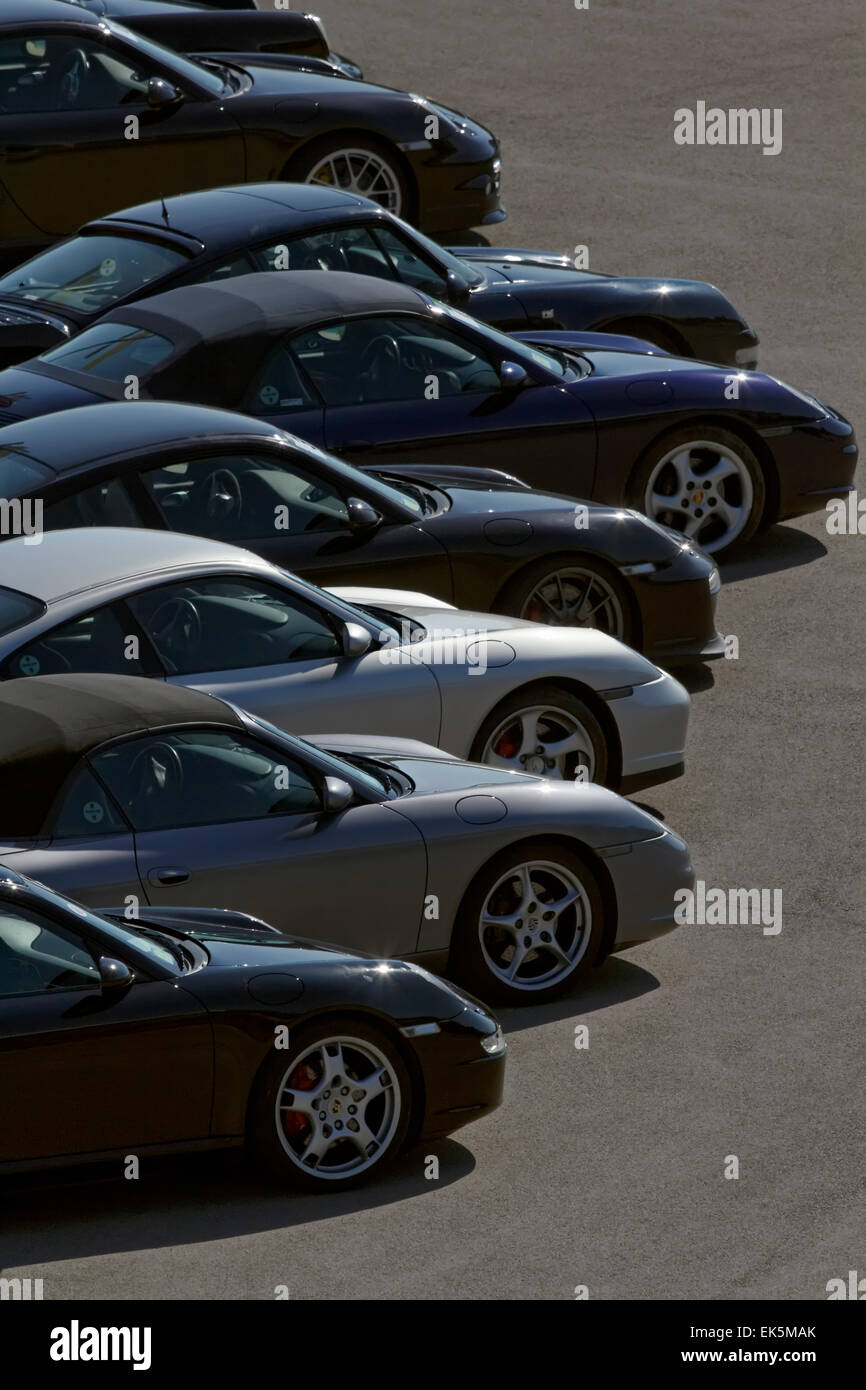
x=562 y=702
x=472 y=537
x=380 y=372
x=191 y=1028
x=194 y=28
x=114 y=788
x=282 y=226
x=92 y=115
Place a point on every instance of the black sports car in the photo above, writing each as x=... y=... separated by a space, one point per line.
x=188 y=1028
x=475 y=538
x=189 y=27
x=281 y=226
x=92 y=115
x=375 y=370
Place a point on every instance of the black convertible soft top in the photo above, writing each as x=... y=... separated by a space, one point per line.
x=214 y=327
x=47 y=723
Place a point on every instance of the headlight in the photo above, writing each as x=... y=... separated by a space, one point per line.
x=494 y=1043
x=807 y=400
x=714 y=580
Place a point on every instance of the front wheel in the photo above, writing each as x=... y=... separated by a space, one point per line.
x=705 y=483
x=334 y=1108
x=545 y=730
x=572 y=593
x=360 y=166
x=531 y=924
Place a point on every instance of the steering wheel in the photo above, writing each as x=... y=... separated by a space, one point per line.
x=68 y=75
x=149 y=779
x=176 y=627
x=218 y=497
x=379 y=354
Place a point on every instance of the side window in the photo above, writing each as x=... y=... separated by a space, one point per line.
x=85 y=809
x=37 y=957
x=226 y=270
x=344 y=248
x=203 y=777
x=63 y=72
x=96 y=642
x=280 y=387
x=105 y=504
x=410 y=268
x=237 y=497
x=228 y=624
x=391 y=359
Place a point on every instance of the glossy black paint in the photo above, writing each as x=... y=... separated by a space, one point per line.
x=478 y=535
x=169 y=1060
x=581 y=437
x=509 y=288
x=238 y=120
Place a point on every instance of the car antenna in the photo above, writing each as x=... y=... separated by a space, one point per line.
x=164 y=210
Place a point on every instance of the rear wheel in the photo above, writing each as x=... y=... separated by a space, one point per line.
x=334 y=1108
x=531 y=924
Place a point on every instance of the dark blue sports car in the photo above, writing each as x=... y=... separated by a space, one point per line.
x=380 y=372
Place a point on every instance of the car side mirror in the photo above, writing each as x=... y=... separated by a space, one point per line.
x=114 y=974
x=356 y=640
x=362 y=516
x=337 y=795
x=458 y=287
x=161 y=93
x=512 y=376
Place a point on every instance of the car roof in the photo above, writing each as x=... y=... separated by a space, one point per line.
x=82 y=558
x=70 y=439
x=43 y=11
x=241 y=215
x=263 y=304
x=47 y=723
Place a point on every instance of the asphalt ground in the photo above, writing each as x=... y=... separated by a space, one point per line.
x=605 y=1166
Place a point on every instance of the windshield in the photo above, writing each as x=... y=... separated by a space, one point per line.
x=91 y=273
x=140 y=941
x=337 y=767
x=370 y=482
x=520 y=352
x=440 y=255
x=195 y=73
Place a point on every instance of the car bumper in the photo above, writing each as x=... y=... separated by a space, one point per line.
x=678 y=612
x=652 y=721
x=815 y=461
x=646 y=877
x=462 y=1081
x=458 y=182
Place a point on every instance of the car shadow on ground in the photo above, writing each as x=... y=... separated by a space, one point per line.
x=187 y=1199
x=780 y=548
x=616 y=982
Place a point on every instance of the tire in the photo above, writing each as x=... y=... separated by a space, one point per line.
x=674 y=468
x=483 y=955
x=566 y=592
x=280 y=1142
x=540 y=717
x=350 y=162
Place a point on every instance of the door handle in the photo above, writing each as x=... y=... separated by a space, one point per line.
x=353 y=444
x=168 y=875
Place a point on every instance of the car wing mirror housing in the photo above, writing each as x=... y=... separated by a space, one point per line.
x=337 y=795
x=161 y=93
x=114 y=974
x=512 y=376
x=458 y=287
x=357 y=641
x=362 y=516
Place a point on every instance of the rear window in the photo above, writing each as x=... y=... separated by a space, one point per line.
x=111 y=352
x=91 y=273
x=17 y=609
x=18 y=474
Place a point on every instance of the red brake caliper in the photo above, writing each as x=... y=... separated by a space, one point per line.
x=303 y=1078
x=506 y=745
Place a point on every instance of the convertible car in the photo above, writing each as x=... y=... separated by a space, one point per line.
x=194 y=28
x=282 y=226
x=92 y=115
x=115 y=788
x=562 y=702
x=184 y=1027
x=472 y=537
x=381 y=373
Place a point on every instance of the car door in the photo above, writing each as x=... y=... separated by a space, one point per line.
x=405 y=388
x=277 y=505
x=85 y=1067
x=237 y=822
x=284 y=657
x=80 y=134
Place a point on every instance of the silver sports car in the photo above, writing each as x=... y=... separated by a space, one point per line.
x=116 y=789
x=561 y=702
